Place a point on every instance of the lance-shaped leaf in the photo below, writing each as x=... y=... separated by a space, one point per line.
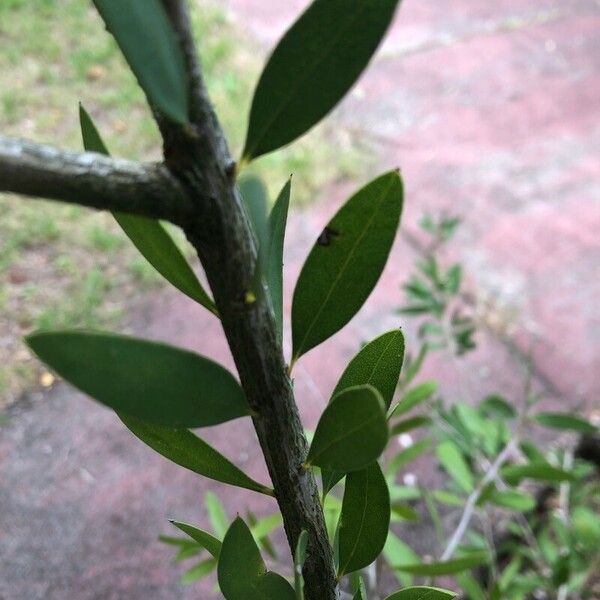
x=277 y=224
x=447 y=567
x=189 y=451
x=299 y=560
x=143 y=31
x=365 y=519
x=346 y=262
x=312 y=68
x=352 y=431
x=415 y=396
x=453 y=461
x=148 y=235
x=241 y=571
x=422 y=592
x=154 y=382
x=205 y=539
x=377 y=364
x=540 y=471
x=565 y=421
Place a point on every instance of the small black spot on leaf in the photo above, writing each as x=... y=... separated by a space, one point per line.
x=326 y=236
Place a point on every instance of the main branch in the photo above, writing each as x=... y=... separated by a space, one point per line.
x=92 y=180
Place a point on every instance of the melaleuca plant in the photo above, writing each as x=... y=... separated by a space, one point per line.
x=162 y=393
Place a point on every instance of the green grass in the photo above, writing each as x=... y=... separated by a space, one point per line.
x=64 y=266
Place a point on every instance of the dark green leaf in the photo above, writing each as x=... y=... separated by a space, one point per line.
x=448 y=567
x=514 y=500
x=539 y=471
x=205 y=539
x=352 y=431
x=346 y=262
x=377 y=364
x=565 y=421
x=422 y=592
x=154 y=382
x=405 y=512
x=254 y=194
x=410 y=424
x=148 y=235
x=453 y=461
x=312 y=68
x=365 y=519
x=187 y=450
x=144 y=33
x=418 y=394
x=261 y=528
x=496 y=406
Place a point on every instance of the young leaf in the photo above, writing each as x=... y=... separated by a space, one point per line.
x=408 y=454
x=199 y=571
x=410 y=424
x=277 y=224
x=377 y=364
x=144 y=33
x=452 y=460
x=187 y=450
x=539 y=471
x=565 y=421
x=312 y=68
x=448 y=567
x=154 y=382
x=205 y=539
x=352 y=431
x=361 y=592
x=216 y=514
x=422 y=593
x=345 y=263
x=418 y=394
x=365 y=519
x=254 y=195
x=299 y=559
x=148 y=235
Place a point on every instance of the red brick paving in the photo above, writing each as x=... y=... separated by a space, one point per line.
x=492 y=111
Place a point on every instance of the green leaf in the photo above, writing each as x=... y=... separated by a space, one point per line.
x=148 y=235
x=565 y=421
x=452 y=460
x=408 y=454
x=448 y=567
x=377 y=364
x=346 y=262
x=396 y=551
x=365 y=519
x=273 y=586
x=254 y=195
x=422 y=592
x=418 y=394
x=199 y=571
x=352 y=431
x=277 y=224
x=154 y=382
x=361 y=592
x=496 y=406
x=206 y=540
x=216 y=514
x=299 y=559
x=513 y=474
x=514 y=500
x=144 y=33
x=410 y=424
x=187 y=450
x=405 y=512
x=314 y=65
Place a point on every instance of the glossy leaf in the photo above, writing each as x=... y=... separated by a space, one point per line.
x=365 y=519
x=277 y=225
x=345 y=263
x=565 y=421
x=453 y=461
x=448 y=567
x=422 y=592
x=254 y=195
x=154 y=382
x=352 y=431
x=144 y=33
x=189 y=451
x=415 y=396
x=539 y=471
x=377 y=364
x=148 y=235
x=314 y=65
x=205 y=539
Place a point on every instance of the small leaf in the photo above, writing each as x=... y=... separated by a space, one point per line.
x=240 y=563
x=365 y=519
x=496 y=406
x=345 y=263
x=187 y=450
x=352 y=431
x=377 y=364
x=148 y=235
x=299 y=559
x=144 y=33
x=361 y=592
x=513 y=474
x=153 y=382
x=448 y=567
x=452 y=460
x=216 y=514
x=396 y=551
x=277 y=224
x=514 y=500
x=199 y=571
x=565 y=421
x=405 y=512
x=205 y=539
x=408 y=454
x=254 y=195
x=314 y=65
x=422 y=593
x=418 y=394
x=410 y=424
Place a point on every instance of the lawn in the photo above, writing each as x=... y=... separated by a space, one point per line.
x=64 y=266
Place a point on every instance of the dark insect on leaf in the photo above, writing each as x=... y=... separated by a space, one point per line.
x=326 y=236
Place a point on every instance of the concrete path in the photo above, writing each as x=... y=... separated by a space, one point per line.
x=492 y=112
